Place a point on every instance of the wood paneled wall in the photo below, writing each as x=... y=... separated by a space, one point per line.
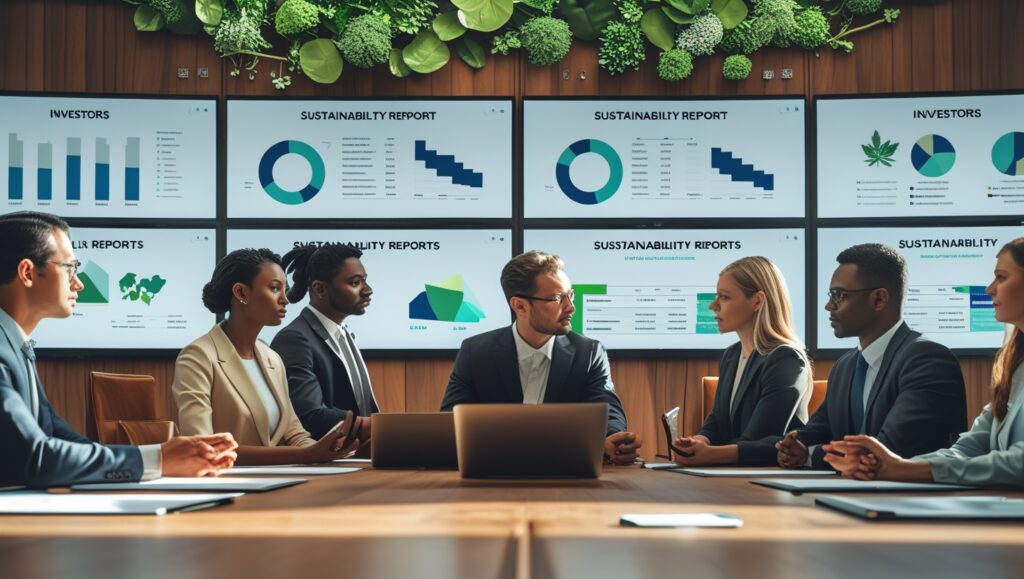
x=92 y=46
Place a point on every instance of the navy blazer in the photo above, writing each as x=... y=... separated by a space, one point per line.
x=917 y=403
x=48 y=452
x=318 y=383
x=487 y=371
x=767 y=402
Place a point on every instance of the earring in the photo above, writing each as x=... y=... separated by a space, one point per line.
x=244 y=301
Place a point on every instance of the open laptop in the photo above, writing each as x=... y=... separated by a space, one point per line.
x=423 y=440
x=526 y=440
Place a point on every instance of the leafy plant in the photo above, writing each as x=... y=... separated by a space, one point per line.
x=675 y=65
x=736 y=67
x=546 y=40
x=878 y=152
x=621 y=47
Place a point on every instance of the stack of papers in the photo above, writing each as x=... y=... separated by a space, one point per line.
x=220 y=483
x=44 y=503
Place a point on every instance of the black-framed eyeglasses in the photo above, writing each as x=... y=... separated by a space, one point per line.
x=557 y=299
x=837 y=294
x=69 y=266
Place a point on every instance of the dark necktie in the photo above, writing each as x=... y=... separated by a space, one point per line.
x=28 y=348
x=860 y=374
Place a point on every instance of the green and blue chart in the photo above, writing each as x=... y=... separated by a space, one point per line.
x=432 y=289
x=949 y=269
x=920 y=156
x=141 y=289
x=369 y=158
x=663 y=158
x=109 y=158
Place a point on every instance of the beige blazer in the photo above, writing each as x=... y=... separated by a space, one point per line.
x=214 y=394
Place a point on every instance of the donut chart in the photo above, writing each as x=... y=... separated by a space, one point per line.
x=1008 y=154
x=606 y=152
x=278 y=193
x=933 y=155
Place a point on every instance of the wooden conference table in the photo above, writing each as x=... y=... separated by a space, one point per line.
x=433 y=524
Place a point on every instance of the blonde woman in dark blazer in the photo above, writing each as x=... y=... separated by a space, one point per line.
x=764 y=383
x=992 y=452
x=228 y=380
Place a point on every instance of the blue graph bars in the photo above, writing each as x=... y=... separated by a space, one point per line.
x=727 y=164
x=44 y=171
x=74 y=169
x=131 y=169
x=446 y=166
x=15 y=167
x=102 y=170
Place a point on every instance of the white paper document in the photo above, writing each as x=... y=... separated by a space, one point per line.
x=751 y=472
x=290 y=470
x=217 y=483
x=45 y=503
x=721 y=520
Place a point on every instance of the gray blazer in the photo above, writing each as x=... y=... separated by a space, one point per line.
x=991 y=453
x=47 y=452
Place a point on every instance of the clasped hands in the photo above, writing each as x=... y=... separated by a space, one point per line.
x=621 y=447
x=343 y=440
x=856 y=456
x=204 y=455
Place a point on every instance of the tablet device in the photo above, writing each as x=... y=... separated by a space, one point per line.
x=958 y=508
x=527 y=440
x=842 y=485
x=423 y=440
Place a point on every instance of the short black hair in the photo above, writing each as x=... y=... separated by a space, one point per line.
x=239 y=266
x=878 y=266
x=26 y=235
x=309 y=263
x=519 y=276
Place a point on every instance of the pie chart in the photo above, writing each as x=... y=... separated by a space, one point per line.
x=933 y=155
x=1008 y=154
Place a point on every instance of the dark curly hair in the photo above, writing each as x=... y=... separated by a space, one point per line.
x=309 y=263
x=239 y=266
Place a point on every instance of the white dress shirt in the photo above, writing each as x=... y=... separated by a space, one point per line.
x=343 y=346
x=259 y=383
x=534 y=367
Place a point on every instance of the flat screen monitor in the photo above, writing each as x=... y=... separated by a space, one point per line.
x=948 y=268
x=143 y=290
x=651 y=290
x=587 y=158
x=431 y=288
x=920 y=156
x=369 y=158
x=107 y=157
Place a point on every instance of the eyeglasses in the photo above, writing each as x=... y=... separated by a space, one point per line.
x=557 y=299
x=837 y=294
x=69 y=266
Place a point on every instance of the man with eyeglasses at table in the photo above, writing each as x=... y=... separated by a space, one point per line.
x=896 y=385
x=39 y=279
x=539 y=359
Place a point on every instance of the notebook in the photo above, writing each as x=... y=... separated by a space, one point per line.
x=720 y=520
x=1001 y=508
x=841 y=485
x=752 y=472
x=289 y=470
x=45 y=503
x=218 y=483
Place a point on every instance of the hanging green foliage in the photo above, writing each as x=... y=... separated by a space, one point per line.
x=318 y=36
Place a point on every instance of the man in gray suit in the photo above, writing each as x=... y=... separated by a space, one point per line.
x=539 y=359
x=896 y=386
x=38 y=279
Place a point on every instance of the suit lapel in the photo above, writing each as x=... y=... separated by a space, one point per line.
x=839 y=403
x=561 y=362
x=753 y=363
x=508 y=367
x=901 y=335
x=238 y=377
x=23 y=379
x=1006 y=425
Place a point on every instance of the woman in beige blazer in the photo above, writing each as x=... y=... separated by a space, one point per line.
x=992 y=452
x=228 y=380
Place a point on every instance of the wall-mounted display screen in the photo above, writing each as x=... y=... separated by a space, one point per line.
x=109 y=157
x=431 y=288
x=369 y=158
x=648 y=290
x=143 y=290
x=663 y=158
x=920 y=156
x=948 y=267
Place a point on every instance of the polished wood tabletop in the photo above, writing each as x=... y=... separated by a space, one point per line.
x=393 y=524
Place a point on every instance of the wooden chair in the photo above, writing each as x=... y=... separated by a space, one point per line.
x=817 y=396
x=125 y=410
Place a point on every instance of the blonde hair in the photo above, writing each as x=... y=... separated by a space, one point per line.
x=773 y=321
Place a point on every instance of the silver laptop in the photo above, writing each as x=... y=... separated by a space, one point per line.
x=422 y=440
x=525 y=440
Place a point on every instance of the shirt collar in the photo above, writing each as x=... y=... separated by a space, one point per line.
x=333 y=329
x=12 y=328
x=526 y=351
x=876 y=350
